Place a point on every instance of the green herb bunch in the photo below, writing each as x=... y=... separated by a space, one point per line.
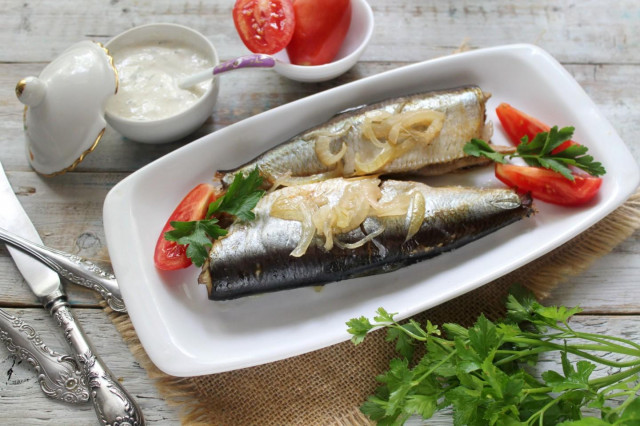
x=485 y=372
x=544 y=151
x=241 y=197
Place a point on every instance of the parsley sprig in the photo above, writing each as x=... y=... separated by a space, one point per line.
x=540 y=152
x=482 y=371
x=241 y=197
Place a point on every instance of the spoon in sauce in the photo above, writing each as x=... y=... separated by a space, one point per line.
x=249 y=61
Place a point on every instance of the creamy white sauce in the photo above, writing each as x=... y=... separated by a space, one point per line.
x=149 y=75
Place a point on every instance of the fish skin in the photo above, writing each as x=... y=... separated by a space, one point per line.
x=255 y=256
x=465 y=119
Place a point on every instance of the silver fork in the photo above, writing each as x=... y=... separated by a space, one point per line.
x=74 y=268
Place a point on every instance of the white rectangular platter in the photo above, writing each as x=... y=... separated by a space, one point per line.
x=185 y=334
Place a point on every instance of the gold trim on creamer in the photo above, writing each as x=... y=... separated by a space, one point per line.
x=75 y=163
x=20 y=87
x=113 y=67
x=79 y=160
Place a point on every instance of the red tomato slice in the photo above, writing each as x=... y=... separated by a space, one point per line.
x=265 y=26
x=169 y=255
x=547 y=185
x=321 y=27
x=517 y=124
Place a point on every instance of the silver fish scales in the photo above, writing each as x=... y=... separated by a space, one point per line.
x=256 y=257
x=332 y=149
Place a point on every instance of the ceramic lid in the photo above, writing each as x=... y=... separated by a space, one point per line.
x=64 y=112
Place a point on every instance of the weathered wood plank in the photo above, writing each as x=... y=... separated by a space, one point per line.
x=598 y=43
x=67 y=212
x=20 y=393
x=590 y=33
x=609 y=285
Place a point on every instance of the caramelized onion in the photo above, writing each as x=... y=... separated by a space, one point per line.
x=361 y=242
x=395 y=207
x=288 y=180
x=300 y=209
x=323 y=151
x=383 y=158
x=401 y=132
x=415 y=214
x=308 y=232
x=327 y=215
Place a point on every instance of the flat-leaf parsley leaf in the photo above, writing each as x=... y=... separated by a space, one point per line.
x=241 y=197
x=479 y=371
x=539 y=152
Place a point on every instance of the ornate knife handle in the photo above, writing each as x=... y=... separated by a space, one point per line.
x=74 y=268
x=113 y=405
x=58 y=375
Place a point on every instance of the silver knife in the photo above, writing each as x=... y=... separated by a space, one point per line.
x=74 y=268
x=112 y=403
x=58 y=375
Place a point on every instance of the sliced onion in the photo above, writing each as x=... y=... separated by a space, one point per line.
x=346 y=126
x=435 y=126
x=374 y=127
x=401 y=134
x=398 y=206
x=380 y=160
x=327 y=231
x=361 y=242
x=351 y=211
x=290 y=208
x=369 y=134
x=433 y=120
x=307 y=234
x=394 y=133
x=300 y=209
x=415 y=214
x=323 y=151
x=288 y=180
x=359 y=200
x=280 y=181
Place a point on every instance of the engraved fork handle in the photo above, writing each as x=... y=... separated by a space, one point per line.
x=74 y=268
x=58 y=374
x=112 y=403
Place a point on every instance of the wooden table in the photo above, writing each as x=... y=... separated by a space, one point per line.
x=597 y=41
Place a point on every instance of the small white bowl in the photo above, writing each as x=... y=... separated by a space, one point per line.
x=181 y=124
x=356 y=41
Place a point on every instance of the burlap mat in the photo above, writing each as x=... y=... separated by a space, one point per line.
x=327 y=386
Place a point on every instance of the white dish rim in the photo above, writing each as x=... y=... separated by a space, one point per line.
x=151 y=323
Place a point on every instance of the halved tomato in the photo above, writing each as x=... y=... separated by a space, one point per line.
x=547 y=185
x=170 y=255
x=265 y=26
x=517 y=124
x=321 y=27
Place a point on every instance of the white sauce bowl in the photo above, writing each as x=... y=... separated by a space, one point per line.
x=182 y=123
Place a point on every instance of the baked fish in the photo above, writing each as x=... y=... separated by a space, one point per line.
x=422 y=134
x=340 y=228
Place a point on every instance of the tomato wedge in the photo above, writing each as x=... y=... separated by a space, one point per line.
x=321 y=27
x=517 y=124
x=547 y=185
x=265 y=26
x=169 y=255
